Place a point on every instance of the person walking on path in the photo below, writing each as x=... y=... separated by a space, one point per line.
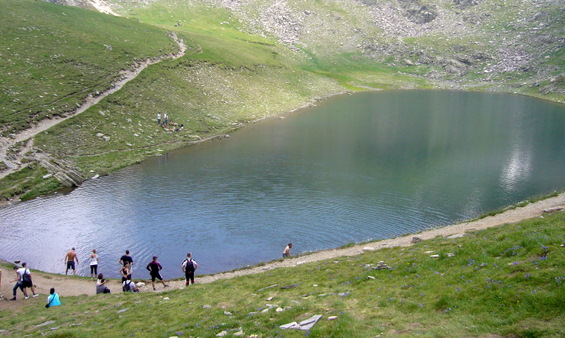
x=93 y=263
x=53 y=299
x=159 y=118
x=70 y=258
x=154 y=269
x=166 y=118
x=286 y=251
x=189 y=266
x=127 y=259
x=23 y=281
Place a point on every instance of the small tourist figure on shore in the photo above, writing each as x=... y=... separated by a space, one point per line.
x=71 y=258
x=93 y=263
x=286 y=251
x=125 y=272
x=154 y=269
x=129 y=286
x=23 y=281
x=101 y=285
x=189 y=266
x=53 y=299
x=129 y=260
x=159 y=118
x=166 y=118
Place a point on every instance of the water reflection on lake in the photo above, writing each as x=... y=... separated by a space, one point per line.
x=360 y=167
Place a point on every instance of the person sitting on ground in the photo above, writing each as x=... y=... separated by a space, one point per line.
x=53 y=299
x=100 y=285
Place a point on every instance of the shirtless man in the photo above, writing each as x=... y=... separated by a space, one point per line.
x=286 y=251
x=70 y=258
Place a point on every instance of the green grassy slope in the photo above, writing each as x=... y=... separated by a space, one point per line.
x=246 y=61
x=52 y=57
x=505 y=281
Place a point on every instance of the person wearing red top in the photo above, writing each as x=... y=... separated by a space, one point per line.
x=154 y=269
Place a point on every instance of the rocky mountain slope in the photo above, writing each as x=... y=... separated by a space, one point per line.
x=466 y=43
x=245 y=60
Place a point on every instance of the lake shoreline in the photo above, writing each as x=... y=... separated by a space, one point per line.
x=80 y=286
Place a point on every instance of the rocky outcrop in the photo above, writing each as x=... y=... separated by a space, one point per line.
x=62 y=170
x=466 y=3
x=418 y=12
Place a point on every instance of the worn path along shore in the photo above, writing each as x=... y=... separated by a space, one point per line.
x=73 y=286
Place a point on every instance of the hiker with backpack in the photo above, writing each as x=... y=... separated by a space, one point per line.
x=189 y=265
x=129 y=286
x=23 y=281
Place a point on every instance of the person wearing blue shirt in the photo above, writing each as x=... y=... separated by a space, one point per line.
x=53 y=299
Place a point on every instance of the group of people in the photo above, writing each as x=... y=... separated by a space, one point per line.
x=23 y=282
x=168 y=124
x=23 y=274
x=188 y=266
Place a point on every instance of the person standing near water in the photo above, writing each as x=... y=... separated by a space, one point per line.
x=125 y=272
x=189 y=266
x=70 y=258
x=127 y=260
x=286 y=251
x=154 y=269
x=93 y=263
x=159 y=118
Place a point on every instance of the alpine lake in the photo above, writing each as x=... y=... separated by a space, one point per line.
x=353 y=168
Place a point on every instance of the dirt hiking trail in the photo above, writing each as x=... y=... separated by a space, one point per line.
x=14 y=161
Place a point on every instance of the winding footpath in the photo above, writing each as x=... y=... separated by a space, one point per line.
x=14 y=160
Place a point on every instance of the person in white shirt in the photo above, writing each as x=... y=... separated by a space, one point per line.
x=23 y=281
x=189 y=265
x=93 y=263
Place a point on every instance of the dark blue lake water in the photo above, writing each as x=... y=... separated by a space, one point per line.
x=362 y=167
